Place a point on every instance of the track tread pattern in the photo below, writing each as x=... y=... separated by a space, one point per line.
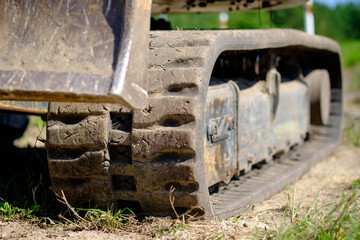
x=140 y=155
x=157 y=151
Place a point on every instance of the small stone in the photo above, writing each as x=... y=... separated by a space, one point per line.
x=263 y=226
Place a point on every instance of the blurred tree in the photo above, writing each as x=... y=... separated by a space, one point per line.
x=194 y=21
x=327 y=22
x=250 y=20
x=340 y=23
x=348 y=17
x=289 y=18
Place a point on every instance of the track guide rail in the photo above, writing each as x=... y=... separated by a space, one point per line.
x=260 y=184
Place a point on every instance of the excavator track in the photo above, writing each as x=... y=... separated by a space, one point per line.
x=107 y=154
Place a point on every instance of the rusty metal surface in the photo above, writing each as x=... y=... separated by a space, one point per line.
x=221 y=140
x=195 y=6
x=292 y=119
x=74 y=50
x=28 y=107
x=257 y=132
x=240 y=195
x=261 y=135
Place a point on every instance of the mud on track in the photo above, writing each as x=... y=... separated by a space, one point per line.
x=328 y=178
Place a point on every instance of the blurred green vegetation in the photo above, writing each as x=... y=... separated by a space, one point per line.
x=341 y=23
x=351 y=52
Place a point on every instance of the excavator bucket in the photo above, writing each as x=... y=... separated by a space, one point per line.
x=77 y=51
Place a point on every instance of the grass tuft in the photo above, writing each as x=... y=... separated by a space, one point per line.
x=351 y=131
x=10 y=213
x=355 y=84
x=124 y=219
x=339 y=221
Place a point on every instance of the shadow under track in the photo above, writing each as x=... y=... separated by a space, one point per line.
x=25 y=180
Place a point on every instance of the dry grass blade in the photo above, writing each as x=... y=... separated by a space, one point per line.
x=212 y=207
x=64 y=201
x=69 y=221
x=337 y=220
x=188 y=214
x=172 y=201
x=83 y=223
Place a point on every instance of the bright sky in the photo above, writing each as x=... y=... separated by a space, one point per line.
x=333 y=3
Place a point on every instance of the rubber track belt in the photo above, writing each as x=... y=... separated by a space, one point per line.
x=106 y=154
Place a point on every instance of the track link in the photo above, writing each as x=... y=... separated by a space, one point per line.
x=107 y=154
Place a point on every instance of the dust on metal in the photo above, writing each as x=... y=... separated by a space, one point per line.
x=221 y=148
x=87 y=51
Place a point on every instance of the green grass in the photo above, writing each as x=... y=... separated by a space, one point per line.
x=340 y=220
x=9 y=212
x=287 y=187
x=351 y=131
x=124 y=219
x=355 y=84
x=37 y=121
x=78 y=219
x=351 y=52
x=96 y=219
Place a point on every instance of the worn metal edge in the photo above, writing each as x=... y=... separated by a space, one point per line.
x=322 y=147
x=29 y=107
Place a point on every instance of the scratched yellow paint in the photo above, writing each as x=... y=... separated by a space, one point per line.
x=209 y=154
x=213 y=163
x=144 y=4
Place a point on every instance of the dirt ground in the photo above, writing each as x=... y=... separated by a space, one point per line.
x=327 y=179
